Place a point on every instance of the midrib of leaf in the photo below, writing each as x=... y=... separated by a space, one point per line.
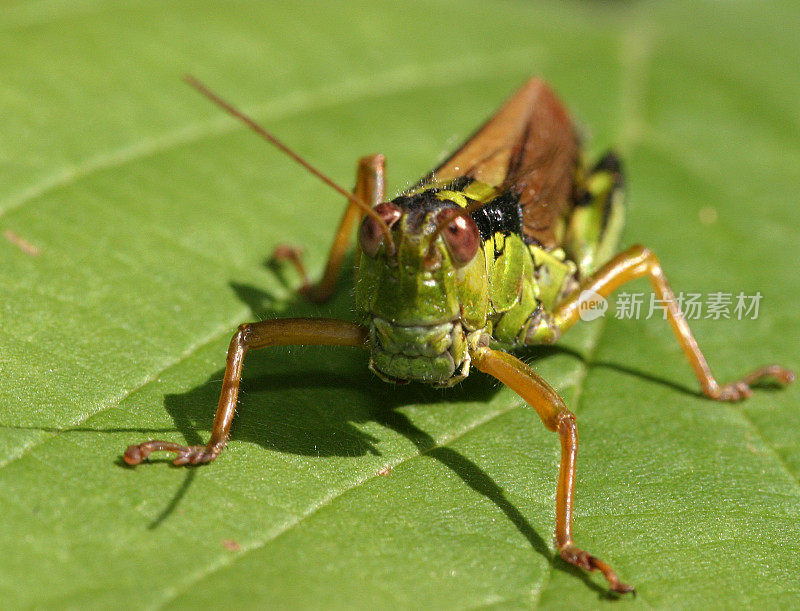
x=635 y=52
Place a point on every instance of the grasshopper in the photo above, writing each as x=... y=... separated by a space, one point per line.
x=493 y=250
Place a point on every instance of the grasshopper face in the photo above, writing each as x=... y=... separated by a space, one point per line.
x=419 y=302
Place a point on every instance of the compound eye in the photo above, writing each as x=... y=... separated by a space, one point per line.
x=370 y=234
x=460 y=235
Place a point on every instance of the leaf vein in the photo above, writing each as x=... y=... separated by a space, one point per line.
x=49 y=436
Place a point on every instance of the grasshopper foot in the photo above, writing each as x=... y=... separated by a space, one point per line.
x=578 y=557
x=287 y=252
x=294 y=255
x=741 y=389
x=186 y=455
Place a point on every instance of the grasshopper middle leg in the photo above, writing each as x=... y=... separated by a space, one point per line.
x=639 y=261
x=554 y=414
x=370 y=184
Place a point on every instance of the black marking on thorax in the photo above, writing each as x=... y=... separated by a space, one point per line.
x=502 y=215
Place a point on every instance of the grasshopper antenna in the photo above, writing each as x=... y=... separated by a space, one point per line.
x=232 y=110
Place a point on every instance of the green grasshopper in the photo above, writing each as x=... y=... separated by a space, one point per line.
x=494 y=249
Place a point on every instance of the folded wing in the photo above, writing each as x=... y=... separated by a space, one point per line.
x=528 y=147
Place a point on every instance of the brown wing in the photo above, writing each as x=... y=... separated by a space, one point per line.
x=528 y=146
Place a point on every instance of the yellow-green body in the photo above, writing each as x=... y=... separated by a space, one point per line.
x=423 y=318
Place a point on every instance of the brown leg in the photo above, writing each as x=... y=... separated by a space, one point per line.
x=280 y=332
x=639 y=261
x=369 y=189
x=554 y=414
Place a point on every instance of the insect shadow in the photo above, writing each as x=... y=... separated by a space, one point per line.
x=329 y=427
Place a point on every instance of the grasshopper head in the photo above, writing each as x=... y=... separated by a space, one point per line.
x=421 y=300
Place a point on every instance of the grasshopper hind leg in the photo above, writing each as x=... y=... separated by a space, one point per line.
x=593 y=230
x=369 y=188
x=637 y=262
x=595 y=224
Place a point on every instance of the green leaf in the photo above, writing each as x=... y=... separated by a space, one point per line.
x=152 y=215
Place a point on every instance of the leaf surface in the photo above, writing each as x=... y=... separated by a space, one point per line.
x=152 y=215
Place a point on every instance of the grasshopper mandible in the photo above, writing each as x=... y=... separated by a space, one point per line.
x=490 y=251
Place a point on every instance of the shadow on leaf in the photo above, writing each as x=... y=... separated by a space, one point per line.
x=320 y=421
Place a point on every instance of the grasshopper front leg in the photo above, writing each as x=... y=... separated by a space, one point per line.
x=298 y=331
x=280 y=332
x=370 y=184
x=556 y=417
x=639 y=261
